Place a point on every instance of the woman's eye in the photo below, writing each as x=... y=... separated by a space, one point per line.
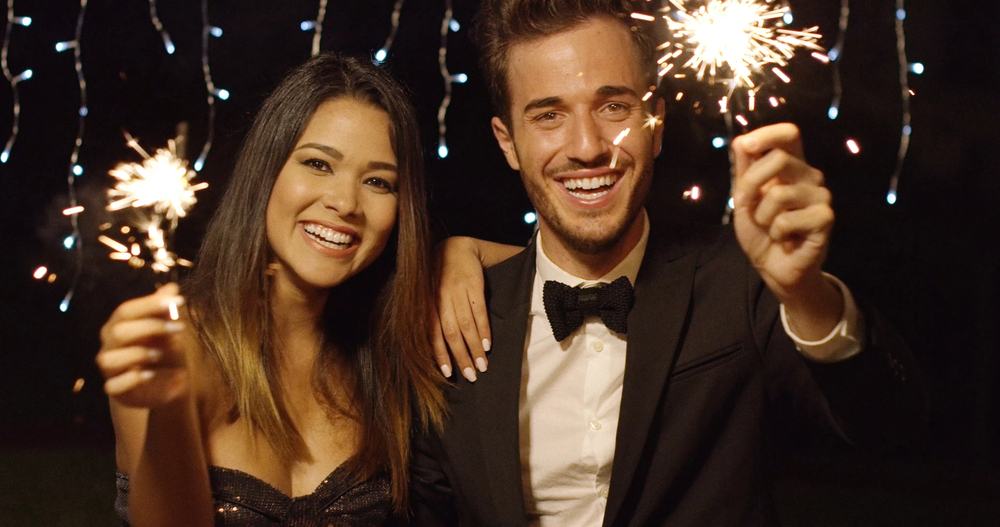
x=317 y=164
x=380 y=184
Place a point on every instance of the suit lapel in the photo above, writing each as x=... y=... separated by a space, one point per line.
x=498 y=389
x=655 y=324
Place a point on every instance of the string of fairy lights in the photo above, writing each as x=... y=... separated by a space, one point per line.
x=75 y=241
x=316 y=26
x=686 y=56
x=13 y=80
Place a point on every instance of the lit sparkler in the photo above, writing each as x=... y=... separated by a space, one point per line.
x=736 y=43
x=161 y=185
x=162 y=181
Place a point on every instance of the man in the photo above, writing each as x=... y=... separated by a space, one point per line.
x=660 y=418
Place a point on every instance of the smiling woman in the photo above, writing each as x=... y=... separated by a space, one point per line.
x=300 y=360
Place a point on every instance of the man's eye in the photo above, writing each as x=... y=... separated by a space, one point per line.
x=547 y=116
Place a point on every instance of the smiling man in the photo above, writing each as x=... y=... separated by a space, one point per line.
x=610 y=404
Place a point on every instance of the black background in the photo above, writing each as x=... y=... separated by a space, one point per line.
x=929 y=262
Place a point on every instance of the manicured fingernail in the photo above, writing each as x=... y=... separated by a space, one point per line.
x=446 y=370
x=486 y=344
x=481 y=364
x=146 y=375
x=154 y=354
x=470 y=374
x=173 y=327
x=174 y=300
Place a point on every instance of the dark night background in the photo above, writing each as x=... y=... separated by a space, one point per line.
x=930 y=262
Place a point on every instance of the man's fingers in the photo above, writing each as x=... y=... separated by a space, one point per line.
x=775 y=168
x=799 y=224
x=781 y=198
x=781 y=136
x=114 y=362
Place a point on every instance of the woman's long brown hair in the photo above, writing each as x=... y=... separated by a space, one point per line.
x=374 y=323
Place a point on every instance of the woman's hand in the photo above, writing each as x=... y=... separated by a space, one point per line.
x=460 y=322
x=143 y=354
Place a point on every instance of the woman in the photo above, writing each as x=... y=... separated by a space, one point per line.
x=286 y=389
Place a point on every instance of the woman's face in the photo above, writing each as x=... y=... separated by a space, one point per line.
x=333 y=206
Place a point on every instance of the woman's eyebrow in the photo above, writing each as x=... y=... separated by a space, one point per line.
x=328 y=150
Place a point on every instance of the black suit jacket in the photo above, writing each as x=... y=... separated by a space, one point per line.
x=707 y=361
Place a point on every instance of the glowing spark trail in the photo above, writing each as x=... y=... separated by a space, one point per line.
x=617 y=142
x=736 y=43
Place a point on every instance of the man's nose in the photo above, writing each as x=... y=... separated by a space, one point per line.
x=587 y=144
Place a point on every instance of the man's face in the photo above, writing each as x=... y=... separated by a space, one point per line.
x=572 y=95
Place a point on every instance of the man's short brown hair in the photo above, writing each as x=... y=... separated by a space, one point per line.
x=502 y=23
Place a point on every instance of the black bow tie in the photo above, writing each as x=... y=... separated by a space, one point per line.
x=567 y=306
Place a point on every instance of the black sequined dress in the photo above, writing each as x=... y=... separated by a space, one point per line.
x=242 y=499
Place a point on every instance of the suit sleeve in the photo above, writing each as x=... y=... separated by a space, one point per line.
x=432 y=499
x=874 y=399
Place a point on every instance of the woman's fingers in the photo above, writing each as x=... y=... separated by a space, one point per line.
x=441 y=356
x=131 y=332
x=115 y=361
x=127 y=381
x=147 y=388
x=456 y=340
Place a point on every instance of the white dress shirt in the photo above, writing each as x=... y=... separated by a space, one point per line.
x=571 y=394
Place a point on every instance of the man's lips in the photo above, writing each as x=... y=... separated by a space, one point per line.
x=590 y=185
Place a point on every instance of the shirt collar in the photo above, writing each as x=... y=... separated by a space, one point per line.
x=628 y=267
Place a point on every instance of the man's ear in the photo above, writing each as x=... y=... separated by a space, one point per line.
x=661 y=112
x=506 y=142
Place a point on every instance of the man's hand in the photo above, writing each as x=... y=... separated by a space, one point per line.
x=783 y=218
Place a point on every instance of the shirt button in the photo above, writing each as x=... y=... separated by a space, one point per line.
x=595 y=425
x=603 y=492
x=598 y=347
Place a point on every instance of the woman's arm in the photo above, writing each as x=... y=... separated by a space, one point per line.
x=460 y=323
x=145 y=361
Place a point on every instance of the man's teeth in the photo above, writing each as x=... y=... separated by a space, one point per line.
x=328 y=237
x=575 y=185
x=589 y=183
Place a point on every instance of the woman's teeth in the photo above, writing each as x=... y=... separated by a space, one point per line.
x=584 y=188
x=328 y=237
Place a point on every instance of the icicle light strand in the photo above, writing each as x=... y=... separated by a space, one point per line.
x=383 y=52
x=75 y=170
x=835 y=55
x=904 y=68
x=317 y=26
x=448 y=23
x=212 y=92
x=167 y=43
x=12 y=79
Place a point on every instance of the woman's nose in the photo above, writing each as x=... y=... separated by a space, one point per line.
x=341 y=196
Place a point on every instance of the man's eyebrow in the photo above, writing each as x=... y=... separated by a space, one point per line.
x=328 y=150
x=542 y=103
x=611 y=91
